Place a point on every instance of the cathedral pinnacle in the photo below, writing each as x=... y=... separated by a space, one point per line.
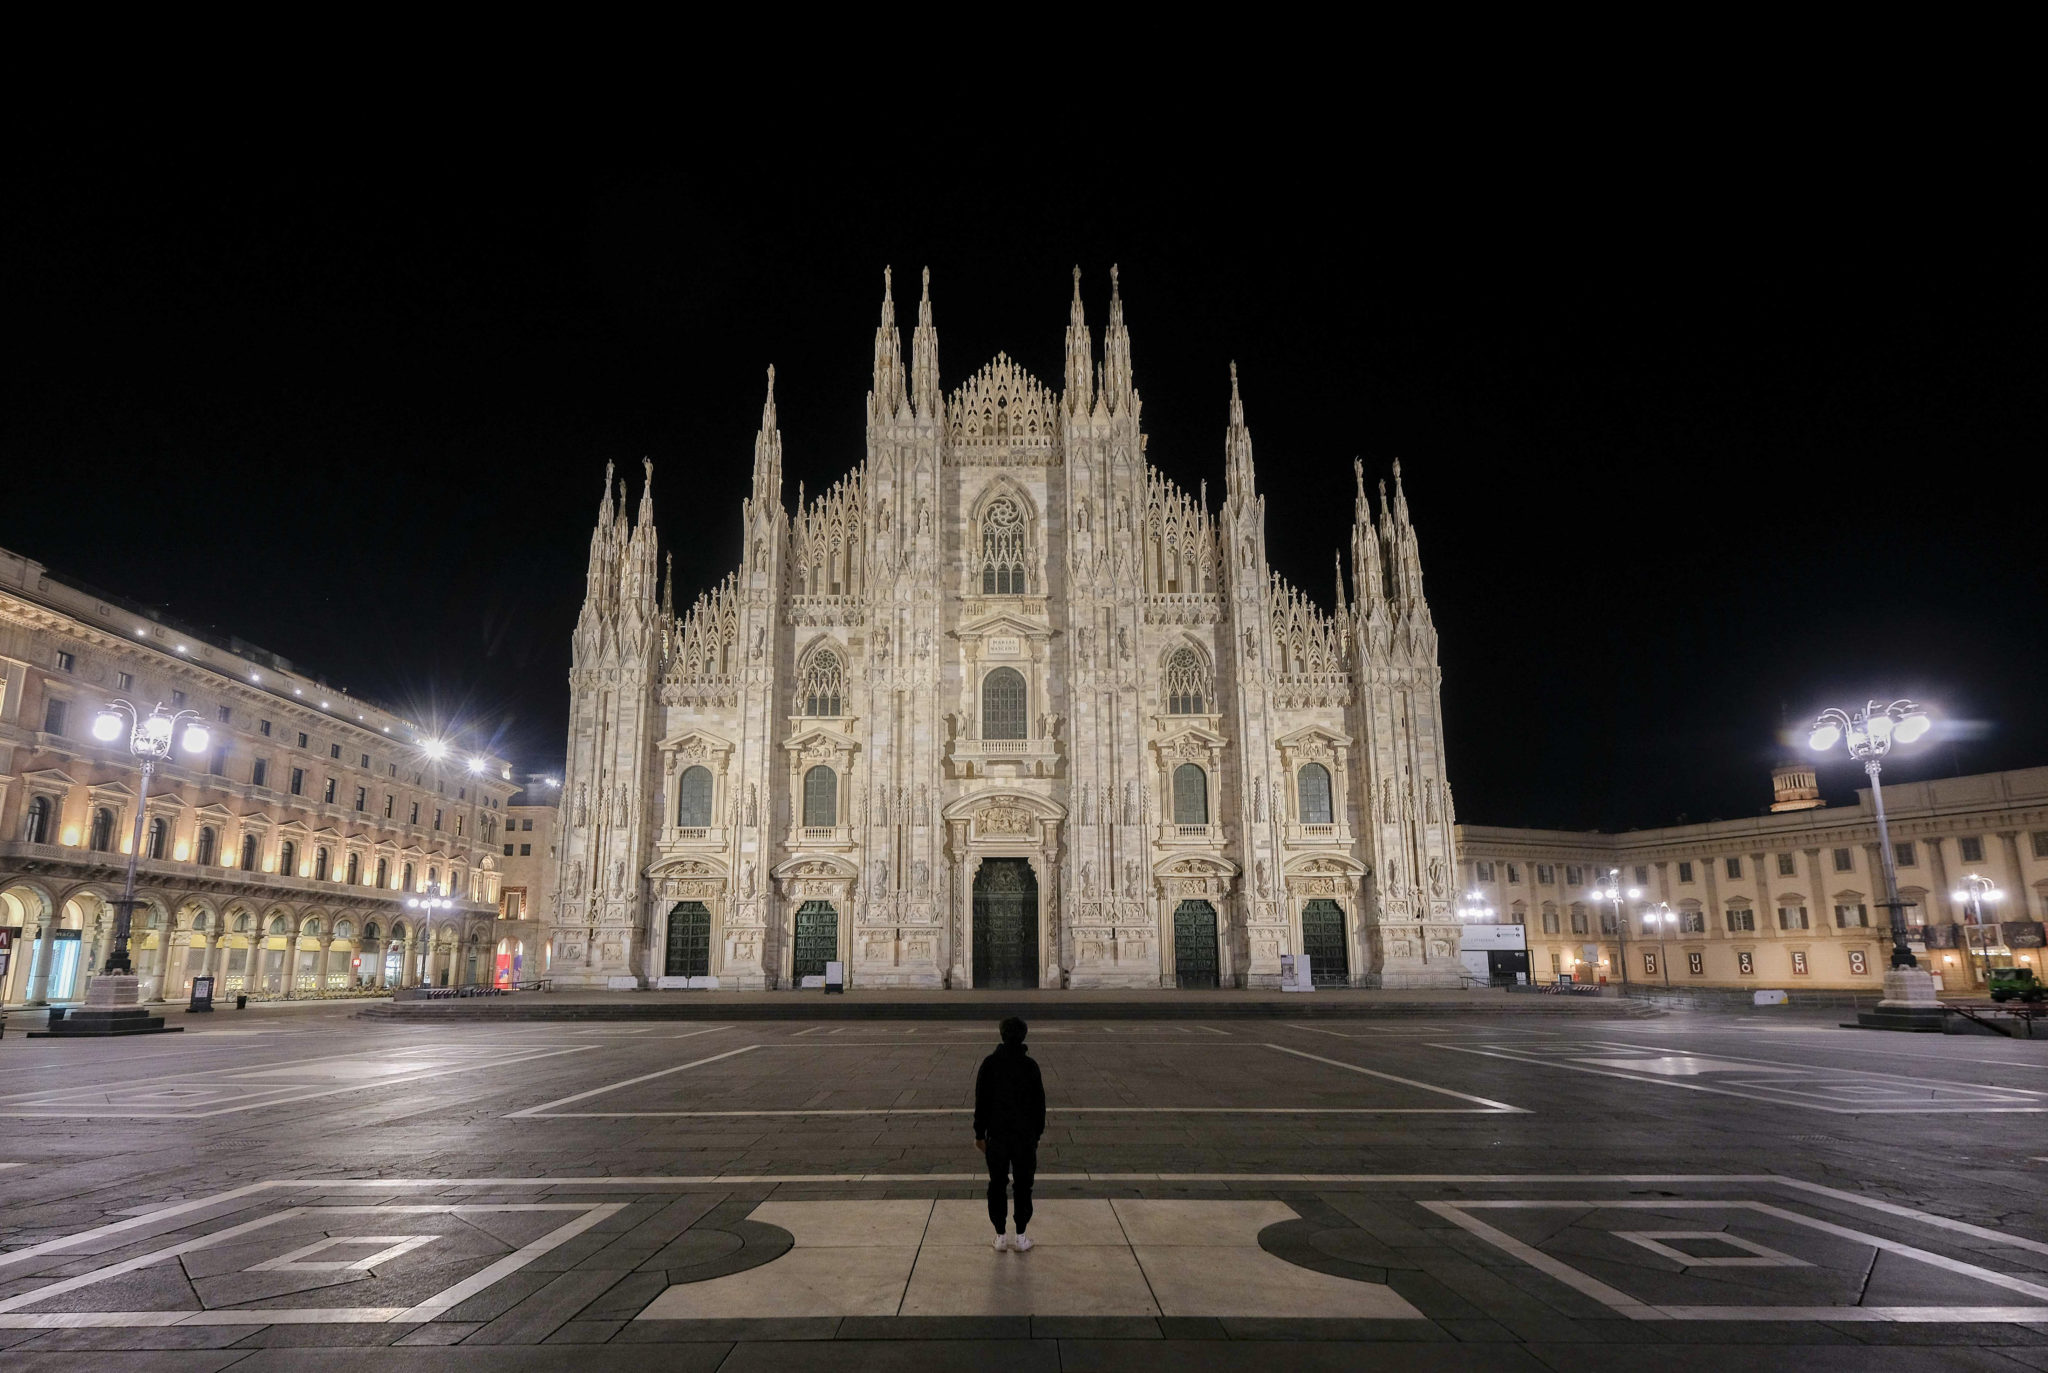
x=768 y=451
x=888 y=378
x=924 y=358
x=1080 y=355
x=1237 y=447
x=1117 y=379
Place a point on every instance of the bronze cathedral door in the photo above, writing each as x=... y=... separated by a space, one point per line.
x=1005 y=924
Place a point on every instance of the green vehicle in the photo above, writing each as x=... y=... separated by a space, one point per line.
x=2016 y=984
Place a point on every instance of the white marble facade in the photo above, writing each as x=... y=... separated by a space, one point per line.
x=1005 y=653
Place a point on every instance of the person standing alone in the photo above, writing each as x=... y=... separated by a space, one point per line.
x=1009 y=1116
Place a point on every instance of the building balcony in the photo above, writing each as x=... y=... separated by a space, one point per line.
x=1301 y=836
x=1003 y=757
x=1190 y=836
x=695 y=836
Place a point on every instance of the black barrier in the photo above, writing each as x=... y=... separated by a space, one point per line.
x=202 y=995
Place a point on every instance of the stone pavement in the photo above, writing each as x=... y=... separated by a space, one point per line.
x=1708 y=1191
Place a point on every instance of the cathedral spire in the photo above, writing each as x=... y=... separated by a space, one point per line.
x=887 y=394
x=768 y=452
x=1368 y=566
x=1080 y=352
x=1237 y=447
x=1116 y=351
x=924 y=358
x=1407 y=555
x=668 y=586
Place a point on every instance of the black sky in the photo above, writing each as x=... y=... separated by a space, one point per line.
x=1684 y=462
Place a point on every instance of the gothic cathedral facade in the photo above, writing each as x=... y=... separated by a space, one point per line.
x=1005 y=707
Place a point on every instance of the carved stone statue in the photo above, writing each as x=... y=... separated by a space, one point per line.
x=753 y=808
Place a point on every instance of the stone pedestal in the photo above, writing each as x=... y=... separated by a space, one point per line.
x=1909 y=1004
x=110 y=1009
x=1909 y=987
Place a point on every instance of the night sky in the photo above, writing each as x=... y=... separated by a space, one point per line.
x=1684 y=466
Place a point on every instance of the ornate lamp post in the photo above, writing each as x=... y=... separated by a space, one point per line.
x=1475 y=908
x=149 y=739
x=1980 y=891
x=1869 y=735
x=1612 y=892
x=110 y=1007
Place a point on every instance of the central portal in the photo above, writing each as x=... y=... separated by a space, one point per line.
x=1005 y=924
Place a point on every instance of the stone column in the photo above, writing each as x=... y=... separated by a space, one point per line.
x=37 y=992
x=2020 y=902
x=323 y=965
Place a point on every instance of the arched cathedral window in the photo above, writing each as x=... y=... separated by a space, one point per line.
x=1187 y=684
x=1003 y=704
x=1002 y=549
x=824 y=681
x=694 y=811
x=1190 y=795
x=821 y=797
x=1312 y=787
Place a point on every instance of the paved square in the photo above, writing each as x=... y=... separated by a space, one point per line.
x=1221 y=1194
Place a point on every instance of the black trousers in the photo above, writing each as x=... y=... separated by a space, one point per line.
x=1007 y=1158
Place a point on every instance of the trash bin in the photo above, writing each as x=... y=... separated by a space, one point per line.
x=241 y=1002
x=56 y=1014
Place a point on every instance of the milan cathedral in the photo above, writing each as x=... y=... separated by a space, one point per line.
x=1005 y=707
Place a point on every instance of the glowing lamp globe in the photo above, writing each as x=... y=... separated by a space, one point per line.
x=1910 y=728
x=1825 y=736
x=196 y=739
x=106 y=727
x=434 y=749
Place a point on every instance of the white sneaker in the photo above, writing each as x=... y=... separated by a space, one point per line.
x=1002 y=1242
x=1021 y=1243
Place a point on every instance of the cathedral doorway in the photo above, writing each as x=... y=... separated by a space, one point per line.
x=817 y=940
x=1194 y=945
x=689 y=940
x=1005 y=924
x=1322 y=939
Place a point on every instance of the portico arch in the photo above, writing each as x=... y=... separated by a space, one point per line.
x=1005 y=824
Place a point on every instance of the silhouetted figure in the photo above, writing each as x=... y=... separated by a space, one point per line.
x=1009 y=1116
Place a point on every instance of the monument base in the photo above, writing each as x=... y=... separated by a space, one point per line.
x=110 y=1009
x=1909 y=1004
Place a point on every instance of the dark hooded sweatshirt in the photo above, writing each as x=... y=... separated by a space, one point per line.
x=1009 y=1096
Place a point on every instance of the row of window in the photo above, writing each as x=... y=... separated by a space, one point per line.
x=1905 y=853
x=57 y=715
x=1005 y=700
x=39 y=819
x=1692 y=920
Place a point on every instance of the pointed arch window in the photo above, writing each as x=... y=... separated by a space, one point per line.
x=823 y=685
x=693 y=811
x=208 y=843
x=1190 y=795
x=320 y=864
x=407 y=876
x=821 y=797
x=288 y=859
x=159 y=837
x=1002 y=549
x=1003 y=704
x=35 y=827
x=102 y=830
x=1187 y=683
x=383 y=873
x=355 y=870
x=248 y=853
x=1312 y=791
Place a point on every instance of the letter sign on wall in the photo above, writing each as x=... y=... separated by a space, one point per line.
x=1697 y=963
x=1859 y=964
x=1799 y=962
x=1745 y=963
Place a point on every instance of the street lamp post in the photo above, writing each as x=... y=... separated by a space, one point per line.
x=1665 y=919
x=110 y=1007
x=149 y=739
x=1909 y=1000
x=1978 y=890
x=1869 y=735
x=1612 y=892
